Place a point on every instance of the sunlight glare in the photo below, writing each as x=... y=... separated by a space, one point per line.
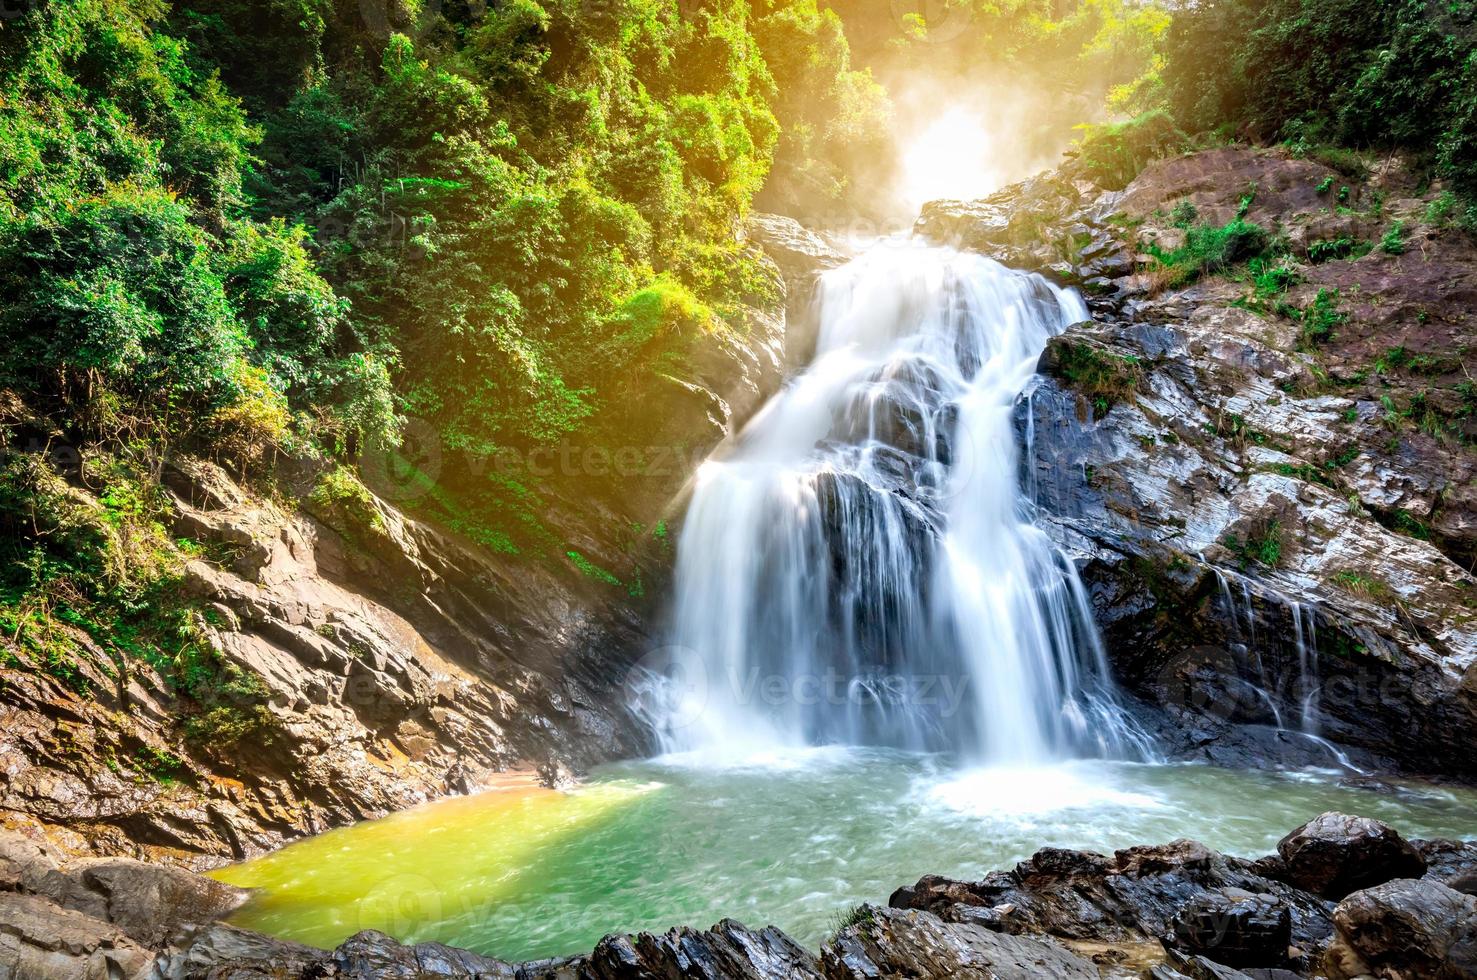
x=950 y=158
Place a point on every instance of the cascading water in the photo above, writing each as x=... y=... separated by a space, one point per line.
x=863 y=567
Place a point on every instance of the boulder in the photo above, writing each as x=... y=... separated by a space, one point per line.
x=799 y=252
x=40 y=940
x=1235 y=928
x=152 y=903
x=1335 y=854
x=1411 y=930
x=728 y=950
x=1451 y=862
x=224 y=951
x=888 y=942
x=371 y=955
x=1131 y=897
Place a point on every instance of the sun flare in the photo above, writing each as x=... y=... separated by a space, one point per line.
x=952 y=157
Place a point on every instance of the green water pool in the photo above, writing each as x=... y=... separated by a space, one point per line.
x=792 y=839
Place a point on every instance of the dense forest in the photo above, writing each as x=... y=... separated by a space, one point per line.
x=279 y=232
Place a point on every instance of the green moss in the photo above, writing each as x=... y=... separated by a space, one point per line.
x=342 y=500
x=1104 y=377
x=590 y=570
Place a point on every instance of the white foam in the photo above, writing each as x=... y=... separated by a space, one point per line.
x=1035 y=791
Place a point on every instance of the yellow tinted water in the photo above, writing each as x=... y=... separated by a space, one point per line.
x=794 y=841
x=425 y=873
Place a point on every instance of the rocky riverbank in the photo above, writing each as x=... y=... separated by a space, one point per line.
x=1260 y=451
x=1343 y=897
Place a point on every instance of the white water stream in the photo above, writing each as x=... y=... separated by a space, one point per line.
x=863 y=567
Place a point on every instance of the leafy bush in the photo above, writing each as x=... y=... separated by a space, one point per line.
x=1113 y=154
x=1326 y=250
x=1318 y=72
x=1393 y=241
x=1210 y=249
x=116 y=293
x=1263 y=544
x=1271 y=277
x=1104 y=377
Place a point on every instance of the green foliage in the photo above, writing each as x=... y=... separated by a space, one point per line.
x=1271 y=277
x=1210 y=249
x=1317 y=72
x=1113 y=154
x=861 y=915
x=1262 y=544
x=1408 y=524
x=243 y=227
x=1393 y=241
x=116 y=292
x=1328 y=249
x=1447 y=210
x=1320 y=318
x=1361 y=584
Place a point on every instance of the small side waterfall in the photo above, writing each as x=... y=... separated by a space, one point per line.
x=863 y=567
x=1272 y=689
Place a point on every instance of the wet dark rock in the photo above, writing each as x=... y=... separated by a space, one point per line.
x=1451 y=862
x=911 y=943
x=371 y=955
x=1412 y=930
x=728 y=950
x=1062 y=914
x=1235 y=928
x=1335 y=854
x=1133 y=896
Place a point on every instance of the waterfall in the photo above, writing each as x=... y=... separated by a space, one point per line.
x=862 y=568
